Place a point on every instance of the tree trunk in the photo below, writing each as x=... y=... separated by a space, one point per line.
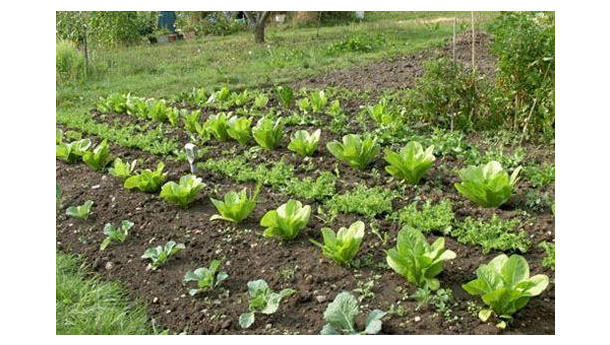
x=259 y=33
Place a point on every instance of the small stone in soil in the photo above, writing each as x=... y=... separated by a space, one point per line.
x=268 y=326
x=95 y=187
x=417 y=319
x=321 y=299
x=155 y=300
x=109 y=265
x=226 y=324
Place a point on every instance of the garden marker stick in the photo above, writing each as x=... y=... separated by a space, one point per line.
x=191 y=152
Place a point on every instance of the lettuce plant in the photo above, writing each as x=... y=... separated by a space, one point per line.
x=81 y=212
x=268 y=133
x=287 y=221
x=114 y=234
x=318 y=101
x=157 y=110
x=411 y=163
x=505 y=286
x=207 y=278
x=303 y=105
x=341 y=315
x=260 y=101
x=147 y=180
x=354 y=150
x=381 y=112
x=262 y=300
x=71 y=152
x=303 y=143
x=160 y=254
x=191 y=122
x=238 y=128
x=59 y=136
x=217 y=126
x=173 y=115
x=236 y=206
x=416 y=260
x=285 y=94
x=184 y=192
x=487 y=185
x=99 y=157
x=122 y=169
x=342 y=246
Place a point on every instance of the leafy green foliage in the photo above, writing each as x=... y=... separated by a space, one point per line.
x=236 y=206
x=540 y=175
x=505 y=285
x=287 y=221
x=114 y=103
x=80 y=212
x=192 y=122
x=430 y=218
x=549 y=260
x=354 y=150
x=158 y=110
x=362 y=200
x=160 y=254
x=487 y=185
x=318 y=101
x=416 y=260
x=69 y=63
x=262 y=300
x=71 y=152
x=382 y=113
x=341 y=315
x=184 y=192
x=238 y=128
x=285 y=95
x=411 y=163
x=260 y=102
x=147 y=180
x=268 y=133
x=303 y=143
x=99 y=157
x=207 y=278
x=493 y=235
x=114 y=234
x=342 y=246
x=122 y=169
x=217 y=125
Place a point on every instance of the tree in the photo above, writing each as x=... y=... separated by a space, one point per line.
x=257 y=21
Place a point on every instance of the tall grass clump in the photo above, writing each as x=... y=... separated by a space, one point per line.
x=69 y=63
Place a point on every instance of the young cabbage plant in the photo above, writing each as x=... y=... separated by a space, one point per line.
x=71 y=152
x=122 y=169
x=487 y=185
x=207 y=278
x=262 y=300
x=341 y=315
x=160 y=254
x=236 y=206
x=285 y=95
x=505 y=286
x=268 y=133
x=287 y=221
x=238 y=128
x=99 y=157
x=217 y=126
x=416 y=260
x=318 y=101
x=411 y=163
x=303 y=143
x=354 y=150
x=80 y=212
x=147 y=180
x=184 y=192
x=342 y=246
x=114 y=234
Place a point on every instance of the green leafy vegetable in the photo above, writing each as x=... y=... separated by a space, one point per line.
x=71 y=152
x=268 y=133
x=207 y=278
x=416 y=260
x=341 y=315
x=342 y=246
x=217 y=126
x=191 y=122
x=160 y=254
x=505 y=286
x=114 y=234
x=430 y=218
x=411 y=163
x=59 y=136
x=238 y=128
x=236 y=206
x=99 y=157
x=549 y=259
x=260 y=101
x=287 y=221
x=354 y=150
x=496 y=234
x=147 y=180
x=285 y=95
x=81 y=212
x=303 y=143
x=122 y=169
x=157 y=110
x=318 y=101
x=262 y=300
x=487 y=185
x=184 y=192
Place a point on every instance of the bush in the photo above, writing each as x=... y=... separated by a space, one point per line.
x=208 y=23
x=69 y=63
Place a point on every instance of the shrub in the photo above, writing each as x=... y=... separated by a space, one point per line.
x=487 y=185
x=69 y=63
x=411 y=163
